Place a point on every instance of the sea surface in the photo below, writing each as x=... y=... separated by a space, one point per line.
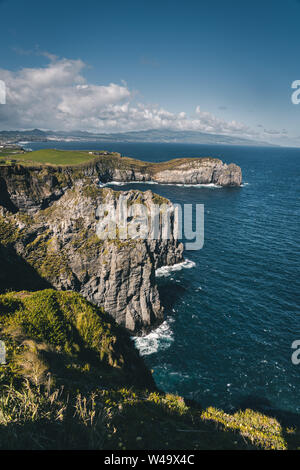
x=232 y=309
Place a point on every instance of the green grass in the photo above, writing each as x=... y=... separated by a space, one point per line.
x=62 y=333
x=35 y=417
x=73 y=380
x=52 y=157
x=78 y=158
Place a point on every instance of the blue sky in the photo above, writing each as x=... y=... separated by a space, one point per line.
x=227 y=65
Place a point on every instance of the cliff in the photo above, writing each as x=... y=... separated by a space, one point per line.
x=29 y=185
x=61 y=246
x=179 y=171
x=51 y=211
x=72 y=378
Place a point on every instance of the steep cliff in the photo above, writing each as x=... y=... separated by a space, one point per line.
x=49 y=228
x=62 y=245
x=29 y=185
x=181 y=171
x=30 y=188
x=72 y=377
x=178 y=171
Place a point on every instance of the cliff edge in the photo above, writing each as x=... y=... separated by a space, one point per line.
x=58 y=245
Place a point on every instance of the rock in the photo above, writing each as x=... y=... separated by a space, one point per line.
x=54 y=227
x=34 y=188
x=181 y=171
x=61 y=244
x=30 y=189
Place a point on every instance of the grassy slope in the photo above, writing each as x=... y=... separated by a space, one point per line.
x=74 y=380
x=52 y=157
x=77 y=158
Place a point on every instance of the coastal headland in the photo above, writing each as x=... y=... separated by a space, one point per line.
x=69 y=302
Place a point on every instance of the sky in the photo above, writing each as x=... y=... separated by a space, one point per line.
x=210 y=66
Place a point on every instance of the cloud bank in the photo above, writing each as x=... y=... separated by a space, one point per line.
x=58 y=97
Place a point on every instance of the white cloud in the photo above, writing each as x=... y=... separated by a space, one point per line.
x=213 y=124
x=58 y=97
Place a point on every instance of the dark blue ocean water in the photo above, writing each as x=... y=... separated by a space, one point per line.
x=231 y=319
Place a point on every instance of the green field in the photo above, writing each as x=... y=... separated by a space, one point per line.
x=49 y=157
x=75 y=158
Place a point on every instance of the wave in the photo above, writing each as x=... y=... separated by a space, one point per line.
x=165 y=271
x=198 y=185
x=111 y=183
x=159 y=339
x=184 y=185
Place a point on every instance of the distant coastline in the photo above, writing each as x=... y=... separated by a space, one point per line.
x=147 y=136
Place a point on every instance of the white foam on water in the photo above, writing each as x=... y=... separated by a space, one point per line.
x=114 y=183
x=198 y=185
x=165 y=271
x=159 y=339
x=185 y=185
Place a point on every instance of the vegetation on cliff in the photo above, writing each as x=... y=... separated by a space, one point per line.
x=62 y=334
x=81 y=157
x=52 y=157
x=73 y=380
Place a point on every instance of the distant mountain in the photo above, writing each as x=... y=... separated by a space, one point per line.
x=16 y=136
x=152 y=135
x=162 y=135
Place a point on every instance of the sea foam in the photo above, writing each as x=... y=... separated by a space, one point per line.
x=165 y=271
x=185 y=185
x=159 y=339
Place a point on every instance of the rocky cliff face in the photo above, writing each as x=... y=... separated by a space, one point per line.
x=61 y=244
x=185 y=171
x=33 y=188
x=50 y=221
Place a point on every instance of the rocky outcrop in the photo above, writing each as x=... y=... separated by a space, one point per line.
x=50 y=225
x=62 y=245
x=31 y=188
x=184 y=171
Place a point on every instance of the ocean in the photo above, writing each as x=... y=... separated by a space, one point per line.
x=232 y=309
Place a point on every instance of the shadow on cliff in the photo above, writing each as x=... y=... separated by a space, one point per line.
x=16 y=274
x=263 y=405
x=169 y=293
x=5 y=199
x=287 y=419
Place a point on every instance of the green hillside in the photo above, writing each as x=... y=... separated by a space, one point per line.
x=50 y=157
x=73 y=380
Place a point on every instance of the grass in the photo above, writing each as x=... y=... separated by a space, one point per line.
x=73 y=380
x=78 y=158
x=32 y=418
x=51 y=157
x=63 y=334
x=35 y=417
